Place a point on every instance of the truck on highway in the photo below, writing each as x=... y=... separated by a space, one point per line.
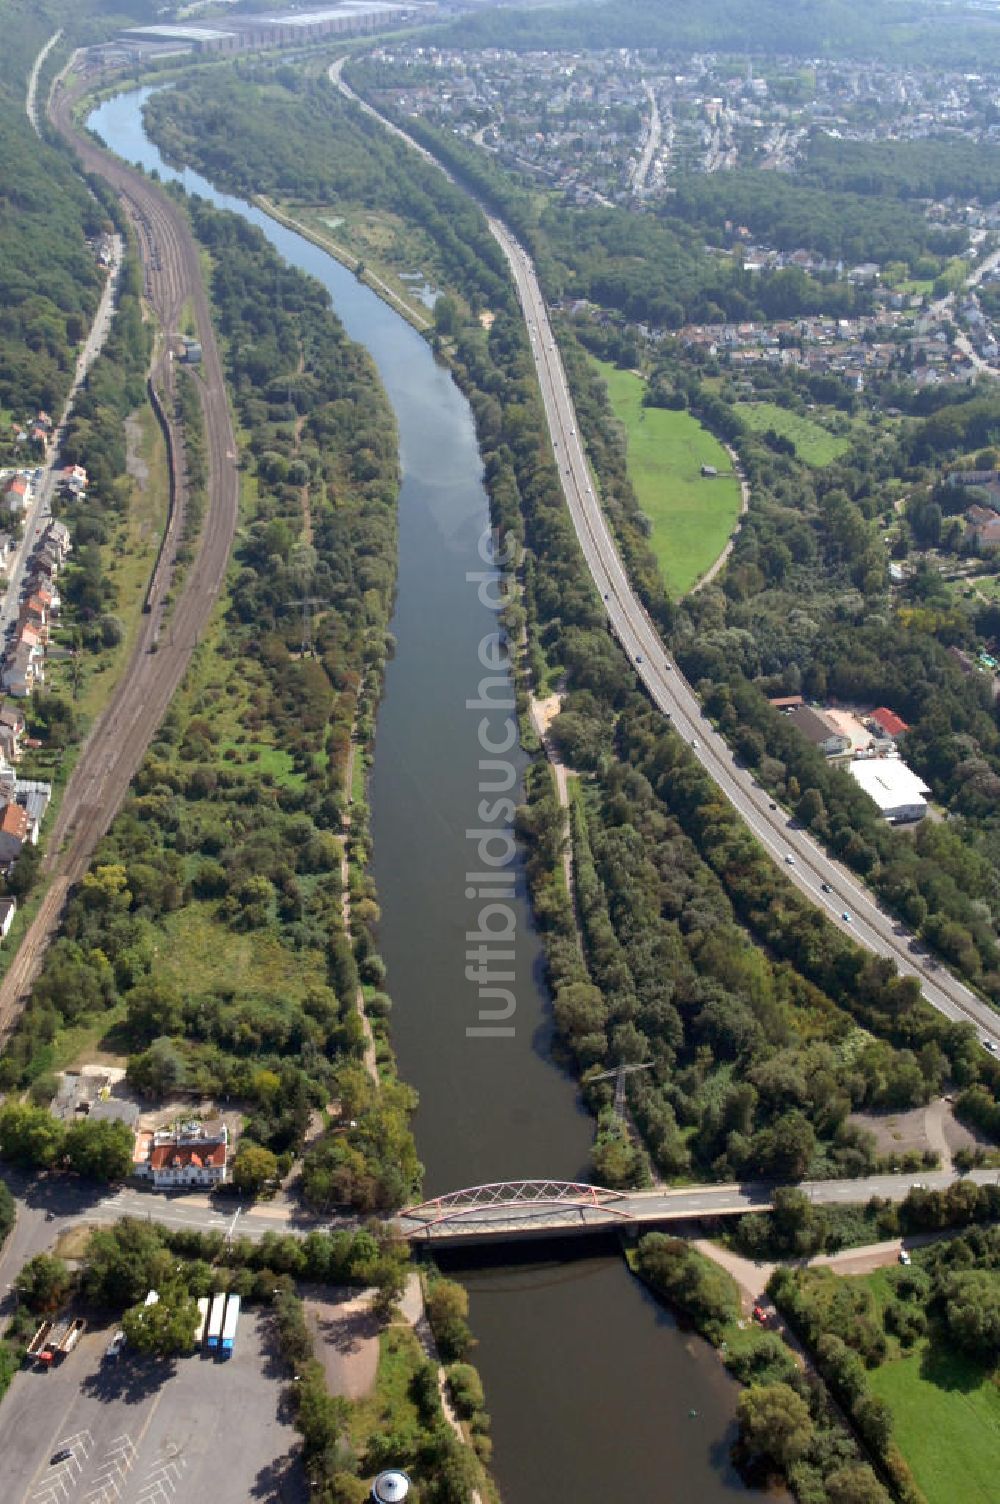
x=202 y=1328
x=215 y=1320
x=231 y=1323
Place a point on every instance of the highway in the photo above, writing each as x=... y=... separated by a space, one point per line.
x=835 y=891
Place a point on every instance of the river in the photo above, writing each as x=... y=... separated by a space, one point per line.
x=595 y=1393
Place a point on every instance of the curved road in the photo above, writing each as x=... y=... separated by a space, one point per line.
x=118 y=740
x=821 y=879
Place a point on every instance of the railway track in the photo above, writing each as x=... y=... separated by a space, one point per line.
x=120 y=736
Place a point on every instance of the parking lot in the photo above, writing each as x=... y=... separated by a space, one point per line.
x=144 y=1432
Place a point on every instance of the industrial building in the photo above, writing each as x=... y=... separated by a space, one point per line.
x=895 y=788
x=241 y=33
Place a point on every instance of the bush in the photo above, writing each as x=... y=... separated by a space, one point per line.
x=447 y=1308
x=466 y=1389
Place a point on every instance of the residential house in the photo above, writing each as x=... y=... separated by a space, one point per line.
x=886 y=723
x=983 y=525
x=34 y=797
x=13 y=833
x=818 y=729
x=33 y=613
x=11 y=731
x=23 y=671
x=15 y=495
x=57 y=538
x=192 y=1154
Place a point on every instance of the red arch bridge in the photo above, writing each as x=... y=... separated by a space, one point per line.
x=506 y=1210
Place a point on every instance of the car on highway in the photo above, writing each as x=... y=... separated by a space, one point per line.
x=845 y=916
x=638 y=657
x=772 y=805
x=990 y=1045
x=694 y=743
x=826 y=887
x=789 y=859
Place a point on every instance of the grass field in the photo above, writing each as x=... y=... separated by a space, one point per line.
x=691 y=516
x=813 y=443
x=946 y=1412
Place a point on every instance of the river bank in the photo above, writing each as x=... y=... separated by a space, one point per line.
x=491 y=1107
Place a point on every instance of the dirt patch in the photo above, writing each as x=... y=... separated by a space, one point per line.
x=134 y=462
x=932 y=1127
x=346 y=1335
x=72 y=1241
x=544 y=712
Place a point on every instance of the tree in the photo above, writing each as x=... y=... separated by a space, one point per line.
x=123 y=1262
x=254 y=1167
x=447 y=1308
x=44 y=1283
x=972 y=1311
x=855 y=1484
x=775 y=1422
x=8 y=1212
x=101 y=1150
x=466 y=1389
x=30 y=1136
x=874 y=1421
x=166 y=1328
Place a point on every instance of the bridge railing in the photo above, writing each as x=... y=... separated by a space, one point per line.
x=514 y=1195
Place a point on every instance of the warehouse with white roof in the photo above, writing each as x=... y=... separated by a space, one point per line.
x=895 y=788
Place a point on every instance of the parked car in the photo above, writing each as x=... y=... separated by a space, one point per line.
x=904 y=1257
x=63 y=1455
x=114 y=1348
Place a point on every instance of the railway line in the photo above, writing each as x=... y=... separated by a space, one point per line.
x=162 y=651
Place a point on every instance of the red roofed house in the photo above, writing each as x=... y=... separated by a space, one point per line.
x=887 y=722
x=191 y=1154
x=13 y=833
x=16 y=494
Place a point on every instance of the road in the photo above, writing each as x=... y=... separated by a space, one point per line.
x=119 y=737
x=609 y=1211
x=42 y=488
x=834 y=891
x=30 y=101
x=652 y=143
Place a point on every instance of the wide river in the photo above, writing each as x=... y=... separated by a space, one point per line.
x=595 y=1394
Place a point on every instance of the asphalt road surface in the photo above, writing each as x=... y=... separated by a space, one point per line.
x=837 y=893
x=141 y=1431
x=606 y=1210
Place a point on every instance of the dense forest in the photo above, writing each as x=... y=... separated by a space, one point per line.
x=49 y=277
x=811 y=28
x=835 y=215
